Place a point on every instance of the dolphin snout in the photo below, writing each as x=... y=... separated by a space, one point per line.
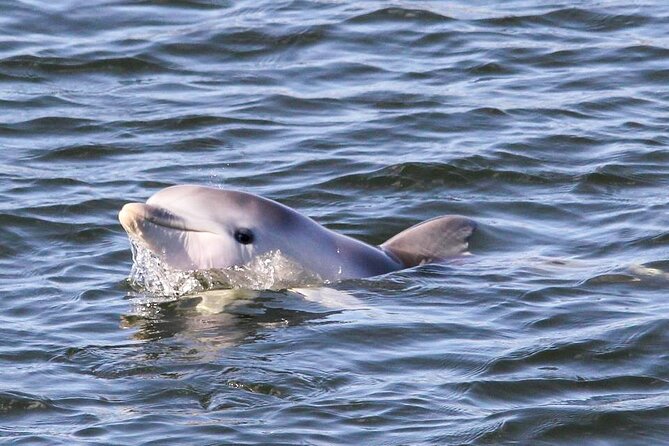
x=130 y=215
x=133 y=216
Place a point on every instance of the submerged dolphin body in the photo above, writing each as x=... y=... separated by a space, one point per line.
x=196 y=227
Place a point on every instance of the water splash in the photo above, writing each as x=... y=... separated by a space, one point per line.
x=270 y=271
x=150 y=274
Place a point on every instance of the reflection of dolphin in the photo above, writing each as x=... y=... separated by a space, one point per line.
x=215 y=319
x=194 y=227
x=226 y=300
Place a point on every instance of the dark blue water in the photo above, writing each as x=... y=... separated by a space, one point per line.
x=546 y=122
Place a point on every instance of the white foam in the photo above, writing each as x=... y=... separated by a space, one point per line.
x=271 y=271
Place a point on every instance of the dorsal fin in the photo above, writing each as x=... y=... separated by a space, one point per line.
x=431 y=240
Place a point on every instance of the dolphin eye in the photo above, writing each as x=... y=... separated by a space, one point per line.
x=244 y=236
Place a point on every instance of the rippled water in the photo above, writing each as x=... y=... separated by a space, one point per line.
x=546 y=122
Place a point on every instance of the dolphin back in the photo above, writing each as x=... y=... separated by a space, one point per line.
x=432 y=240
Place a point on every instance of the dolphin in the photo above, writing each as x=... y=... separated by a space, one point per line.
x=195 y=227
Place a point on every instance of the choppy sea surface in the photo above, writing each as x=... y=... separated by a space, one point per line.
x=546 y=122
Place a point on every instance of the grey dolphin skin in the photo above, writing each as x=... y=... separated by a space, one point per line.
x=195 y=227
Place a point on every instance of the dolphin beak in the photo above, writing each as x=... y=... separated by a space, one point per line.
x=181 y=242
x=135 y=216
x=130 y=217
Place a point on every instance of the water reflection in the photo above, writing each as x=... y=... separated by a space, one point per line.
x=219 y=319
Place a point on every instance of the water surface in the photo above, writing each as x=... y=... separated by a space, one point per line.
x=546 y=122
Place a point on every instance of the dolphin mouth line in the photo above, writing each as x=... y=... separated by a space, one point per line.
x=132 y=213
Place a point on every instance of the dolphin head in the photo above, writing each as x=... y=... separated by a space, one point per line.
x=195 y=227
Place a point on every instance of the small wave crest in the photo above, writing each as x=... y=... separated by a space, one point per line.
x=270 y=271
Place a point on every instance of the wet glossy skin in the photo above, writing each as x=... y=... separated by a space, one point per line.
x=194 y=227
